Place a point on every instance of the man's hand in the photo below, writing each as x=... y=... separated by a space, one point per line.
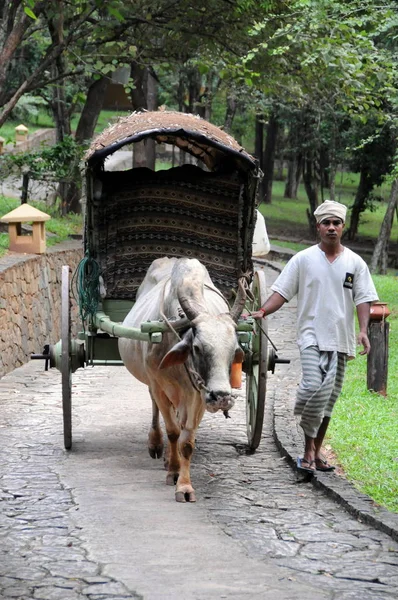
x=363 y=340
x=274 y=302
x=257 y=314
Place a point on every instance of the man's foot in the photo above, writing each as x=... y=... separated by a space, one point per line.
x=323 y=465
x=305 y=465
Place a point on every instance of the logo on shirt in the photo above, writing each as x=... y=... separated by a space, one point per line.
x=349 y=281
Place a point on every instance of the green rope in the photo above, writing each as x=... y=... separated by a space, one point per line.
x=86 y=288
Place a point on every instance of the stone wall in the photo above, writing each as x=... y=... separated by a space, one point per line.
x=30 y=302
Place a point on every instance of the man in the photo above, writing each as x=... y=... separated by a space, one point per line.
x=330 y=281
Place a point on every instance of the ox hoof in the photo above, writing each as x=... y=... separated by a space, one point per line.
x=155 y=451
x=171 y=478
x=185 y=497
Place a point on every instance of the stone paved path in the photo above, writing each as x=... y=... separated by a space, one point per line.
x=99 y=522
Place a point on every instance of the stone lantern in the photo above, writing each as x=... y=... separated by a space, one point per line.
x=21 y=133
x=34 y=243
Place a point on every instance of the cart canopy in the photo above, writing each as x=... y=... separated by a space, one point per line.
x=137 y=215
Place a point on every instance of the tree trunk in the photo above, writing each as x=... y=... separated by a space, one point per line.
x=364 y=188
x=71 y=191
x=15 y=24
x=180 y=92
x=380 y=253
x=269 y=158
x=152 y=104
x=293 y=176
x=139 y=102
x=259 y=139
x=59 y=105
x=289 y=187
x=61 y=116
x=279 y=170
x=230 y=112
x=311 y=188
x=143 y=97
x=195 y=104
x=91 y=110
x=324 y=166
x=332 y=181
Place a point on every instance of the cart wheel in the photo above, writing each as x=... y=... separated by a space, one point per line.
x=66 y=366
x=256 y=375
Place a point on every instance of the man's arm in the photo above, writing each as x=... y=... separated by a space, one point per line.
x=274 y=302
x=363 y=312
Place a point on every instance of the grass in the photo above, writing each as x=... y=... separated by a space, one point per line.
x=288 y=217
x=62 y=228
x=7 y=131
x=292 y=245
x=364 y=429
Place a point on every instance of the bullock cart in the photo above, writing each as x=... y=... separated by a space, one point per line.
x=204 y=208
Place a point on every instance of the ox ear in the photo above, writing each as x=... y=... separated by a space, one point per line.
x=239 y=355
x=178 y=353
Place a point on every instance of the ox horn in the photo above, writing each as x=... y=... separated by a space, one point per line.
x=191 y=307
x=240 y=300
x=181 y=324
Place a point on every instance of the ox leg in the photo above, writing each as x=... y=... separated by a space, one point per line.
x=184 y=490
x=155 y=435
x=173 y=433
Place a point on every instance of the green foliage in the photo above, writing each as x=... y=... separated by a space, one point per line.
x=372 y=149
x=363 y=430
x=28 y=109
x=324 y=51
x=29 y=7
x=55 y=162
x=30 y=13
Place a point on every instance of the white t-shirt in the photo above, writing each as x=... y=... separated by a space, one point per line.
x=327 y=294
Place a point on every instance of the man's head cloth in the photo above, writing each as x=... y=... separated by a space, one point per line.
x=329 y=210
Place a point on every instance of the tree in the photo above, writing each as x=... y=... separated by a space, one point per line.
x=321 y=57
x=25 y=23
x=268 y=158
x=380 y=254
x=372 y=158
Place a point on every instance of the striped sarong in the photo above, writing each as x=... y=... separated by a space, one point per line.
x=320 y=386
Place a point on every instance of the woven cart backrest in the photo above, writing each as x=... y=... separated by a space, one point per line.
x=183 y=212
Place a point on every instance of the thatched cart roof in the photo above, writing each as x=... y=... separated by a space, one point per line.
x=188 y=132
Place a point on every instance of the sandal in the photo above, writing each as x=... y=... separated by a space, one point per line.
x=307 y=469
x=323 y=465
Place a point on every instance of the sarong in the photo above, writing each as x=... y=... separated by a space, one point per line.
x=320 y=386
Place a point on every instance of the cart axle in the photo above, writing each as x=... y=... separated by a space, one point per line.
x=45 y=356
x=52 y=354
x=273 y=360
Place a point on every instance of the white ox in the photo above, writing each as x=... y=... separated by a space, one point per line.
x=188 y=375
